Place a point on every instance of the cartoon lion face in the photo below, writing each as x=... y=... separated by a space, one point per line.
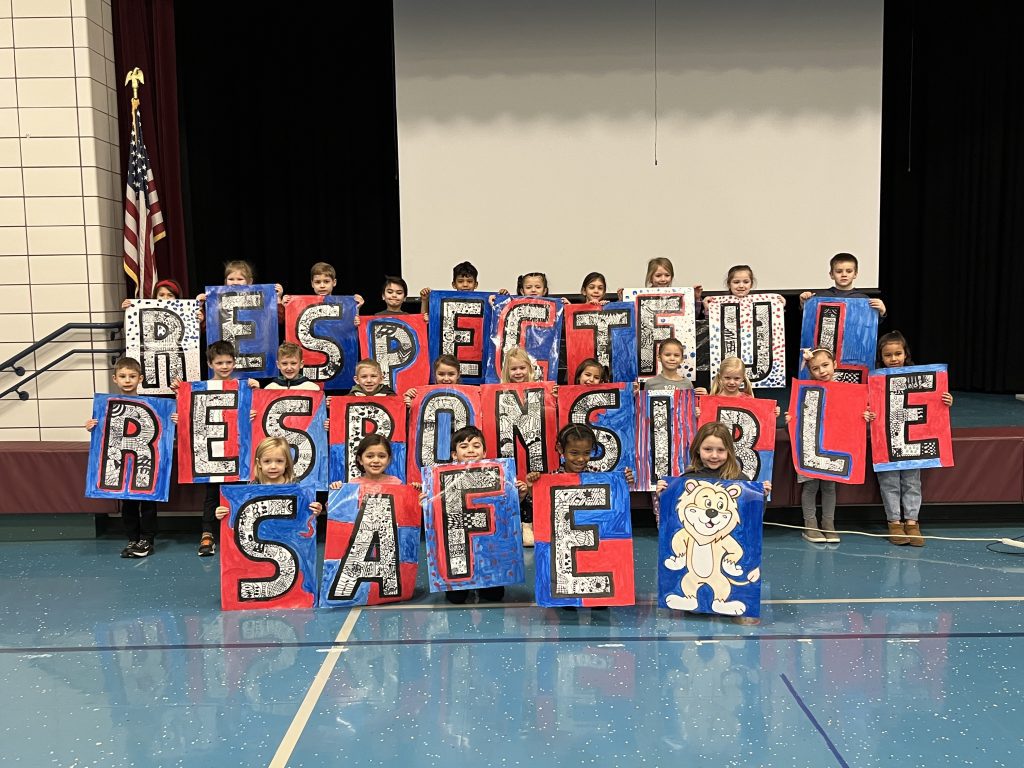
x=707 y=511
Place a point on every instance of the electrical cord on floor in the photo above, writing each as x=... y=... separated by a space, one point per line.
x=1015 y=543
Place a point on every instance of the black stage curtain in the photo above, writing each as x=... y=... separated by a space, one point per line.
x=289 y=142
x=952 y=215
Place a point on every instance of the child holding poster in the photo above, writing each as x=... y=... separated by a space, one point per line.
x=740 y=281
x=369 y=380
x=533 y=284
x=732 y=380
x=373 y=455
x=289 y=363
x=593 y=289
x=322 y=279
x=446 y=371
x=464 y=278
x=842 y=268
x=273 y=466
x=240 y=272
x=590 y=372
x=670 y=356
x=901 y=486
x=517 y=367
x=393 y=293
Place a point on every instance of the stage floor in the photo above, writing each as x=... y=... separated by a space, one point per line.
x=867 y=654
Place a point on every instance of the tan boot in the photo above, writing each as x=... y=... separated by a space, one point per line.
x=527 y=534
x=913 y=531
x=897 y=535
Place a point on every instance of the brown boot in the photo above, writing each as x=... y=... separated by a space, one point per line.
x=897 y=535
x=913 y=531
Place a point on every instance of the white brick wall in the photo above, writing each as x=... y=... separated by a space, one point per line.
x=60 y=206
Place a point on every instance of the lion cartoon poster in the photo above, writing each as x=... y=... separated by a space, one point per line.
x=709 y=550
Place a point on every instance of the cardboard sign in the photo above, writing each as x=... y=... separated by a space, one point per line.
x=268 y=547
x=352 y=419
x=753 y=329
x=459 y=322
x=297 y=416
x=471 y=521
x=435 y=414
x=131 y=448
x=583 y=540
x=531 y=322
x=609 y=410
x=372 y=553
x=400 y=345
x=664 y=313
x=827 y=430
x=245 y=316
x=709 y=546
x=325 y=328
x=753 y=431
x=215 y=437
x=911 y=429
x=164 y=337
x=519 y=421
x=665 y=425
x=606 y=333
x=846 y=327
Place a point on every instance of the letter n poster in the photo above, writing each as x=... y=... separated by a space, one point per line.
x=753 y=431
x=519 y=421
x=268 y=547
x=399 y=344
x=325 y=328
x=435 y=414
x=827 y=430
x=609 y=410
x=298 y=416
x=353 y=417
x=373 y=545
x=214 y=431
x=606 y=334
x=584 y=540
x=911 y=429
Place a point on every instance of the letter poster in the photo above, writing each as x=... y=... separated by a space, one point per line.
x=827 y=430
x=437 y=412
x=664 y=313
x=246 y=316
x=753 y=431
x=846 y=327
x=298 y=416
x=459 y=322
x=268 y=547
x=164 y=337
x=372 y=553
x=583 y=540
x=325 y=328
x=709 y=547
x=606 y=334
x=531 y=322
x=609 y=410
x=911 y=429
x=519 y=421
x=353 y=418
x=665 y=425
x=753 y=329
x=399 y=345
x=471 y=520
x=215 y=433
x=131 y=448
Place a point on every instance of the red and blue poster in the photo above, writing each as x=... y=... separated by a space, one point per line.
x=400 y=346
x=459 y=322
x=268 y=547
x=609 y=410
x=664 y=313
x=848 y=328
x=354 y=417
x=214 y=431
x=752 y=328
x=827 y=430
x=583 y=540
x=911 y=429
x=753 y=431
x=435 y=414
x=298 y=416
x=471 y=520
x=665 y=425
x=709 y=546
x=325 y=328
x=606 y=334
x=245 y=316
x=533 y=323
x=520 y=422
x=372 y=553
x=131 y=448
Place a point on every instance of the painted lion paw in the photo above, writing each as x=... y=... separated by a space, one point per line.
x=730 y=608
x=681 y=603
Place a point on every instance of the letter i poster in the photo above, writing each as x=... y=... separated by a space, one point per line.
x=665 y=425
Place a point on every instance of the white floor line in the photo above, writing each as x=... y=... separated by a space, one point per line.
x=291 y=737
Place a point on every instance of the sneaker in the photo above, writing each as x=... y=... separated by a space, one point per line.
x=142 y=548
x=457 y=596
x=207 y=546
x=127 y=551
x=813 y=535
x=913 y=531
x=897 y=535
x=828 y=529
x=492 y=594
x=527 y=534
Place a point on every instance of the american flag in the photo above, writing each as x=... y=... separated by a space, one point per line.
x=143 y=221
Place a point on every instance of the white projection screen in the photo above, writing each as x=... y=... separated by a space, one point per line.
x=569 y=137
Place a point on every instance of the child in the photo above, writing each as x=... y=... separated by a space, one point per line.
x=165 y=290
x=240 y=272
x=393 y=293
x=446 y=371
x=661 y=274
x=593 y=289
x=590 y=372
x=464 y=278
x=373 y=454
x=289 y=363
x=534 y=284
x=732 y=380
x=273 y=466
x=670 y=355
x=369 y=380
x=901 y=485
x=740 y=281
x=517 y=367
x=139 y=517
x=843 y=271
x=323 y=279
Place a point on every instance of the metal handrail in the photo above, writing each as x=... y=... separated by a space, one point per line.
x=114 y=354
x=114 y=328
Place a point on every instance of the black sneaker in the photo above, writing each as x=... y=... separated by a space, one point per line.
x=207 y=546
x=492 y=594
x=142 y=548
x=457 y=596
x=127 y=551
